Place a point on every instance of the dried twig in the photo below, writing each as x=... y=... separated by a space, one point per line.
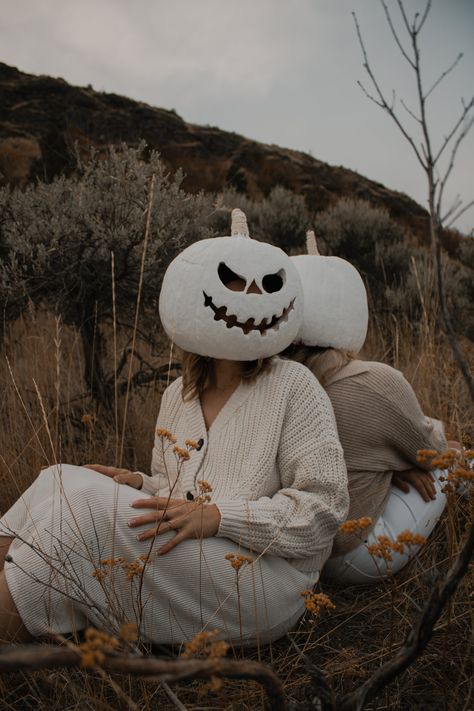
x=420 y=634
x=33 y=657
x=426 y=155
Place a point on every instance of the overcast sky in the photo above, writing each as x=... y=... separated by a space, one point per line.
x=278 y=71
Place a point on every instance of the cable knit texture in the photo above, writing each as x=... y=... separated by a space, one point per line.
x=273 y=459
x=381 y=427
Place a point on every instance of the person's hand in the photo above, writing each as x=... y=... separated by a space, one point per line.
x=422 y=481
x=121 y=476
x=188 y=518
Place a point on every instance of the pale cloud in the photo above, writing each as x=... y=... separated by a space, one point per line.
x=279 y=71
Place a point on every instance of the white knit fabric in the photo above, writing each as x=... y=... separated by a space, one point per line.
x=276 y=467
x=273 y=459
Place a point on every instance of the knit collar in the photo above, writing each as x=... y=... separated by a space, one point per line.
x=354 y=367
x=195 y=416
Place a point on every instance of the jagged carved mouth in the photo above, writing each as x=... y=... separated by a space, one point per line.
x=273 y=323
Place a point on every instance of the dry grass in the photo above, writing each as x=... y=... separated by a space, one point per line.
x=347 y=643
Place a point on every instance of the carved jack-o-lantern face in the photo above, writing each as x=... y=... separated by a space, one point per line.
x=231 y=297
x=335 y=301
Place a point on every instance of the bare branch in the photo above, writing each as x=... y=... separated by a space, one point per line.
x=466 y=108
x=412 y=114
x=382 y=101
x=424 y=16
x=395 y=35
x=419 y=636
x=405 y=18
x=461 y=212
x=369 y=96
x=320 y=689
x=444 y=74
x=32 y=657
x=457 y=202
x=450 y=167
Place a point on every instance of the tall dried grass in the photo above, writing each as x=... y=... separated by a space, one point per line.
x=42 y=368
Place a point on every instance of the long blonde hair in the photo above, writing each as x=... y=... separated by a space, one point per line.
x=322 y=362
x=198 y=372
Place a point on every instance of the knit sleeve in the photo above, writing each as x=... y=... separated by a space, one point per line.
x=407 y=428
x=301 y=519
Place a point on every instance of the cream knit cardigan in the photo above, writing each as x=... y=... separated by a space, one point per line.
x=273 y=459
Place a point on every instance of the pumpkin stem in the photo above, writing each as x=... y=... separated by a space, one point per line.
x=311 y=246
x=239 y=224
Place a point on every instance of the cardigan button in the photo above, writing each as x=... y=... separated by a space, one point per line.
x=189 y=496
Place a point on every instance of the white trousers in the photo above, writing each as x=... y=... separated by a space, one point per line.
x=402 y=512
x=71 y=519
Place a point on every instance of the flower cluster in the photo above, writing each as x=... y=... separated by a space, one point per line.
x=97 y=644
x=136 y=567
x=132 y=569
x=191 y=444
x=181 y=453
x=385 y=546
x=355 y=525
x=89 y=421
x=163 y=433
x=425 y=455
x=204 y=492
x=316 y=602
x=106 y=565
x=205 y=644
x=237 y=560
x=129 y=632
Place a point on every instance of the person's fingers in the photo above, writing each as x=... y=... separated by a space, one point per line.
x=149 y=503
x=431 y=489
x=153 y=532
x=159 y=503
x=163 y=527
x=428 y=486
x=162 y=502
x=169 y=545
x=400 y=484
x=421 y=488
x=153 y=517
x=101 y=469
x=122 y=478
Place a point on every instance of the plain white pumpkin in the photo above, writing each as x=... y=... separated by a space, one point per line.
x=335 y=302
x=202 y=315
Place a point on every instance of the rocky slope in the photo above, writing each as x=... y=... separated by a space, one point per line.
x=42 y=120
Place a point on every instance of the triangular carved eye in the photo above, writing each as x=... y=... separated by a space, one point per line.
x=273 y=282
x=230 y=279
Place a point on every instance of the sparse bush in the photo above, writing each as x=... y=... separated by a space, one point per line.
x=282 y=218
x=377 y=246
x=460 y=288
x=60 y=237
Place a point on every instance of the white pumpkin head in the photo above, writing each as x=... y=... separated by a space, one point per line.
x=232 y=297
x=335 y=301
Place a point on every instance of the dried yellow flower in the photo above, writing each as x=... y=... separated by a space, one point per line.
x=97 y=644
x=205 y=644
x=165 y=434
x=237 y=560
x=316 y=602
x=181 y=453
x=355 y=525
x=129 y=632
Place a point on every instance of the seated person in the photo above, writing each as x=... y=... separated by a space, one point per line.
x=248 y=489
x=380 y=422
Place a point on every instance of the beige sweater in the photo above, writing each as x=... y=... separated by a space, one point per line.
x=381 y=427
x=273 y=459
